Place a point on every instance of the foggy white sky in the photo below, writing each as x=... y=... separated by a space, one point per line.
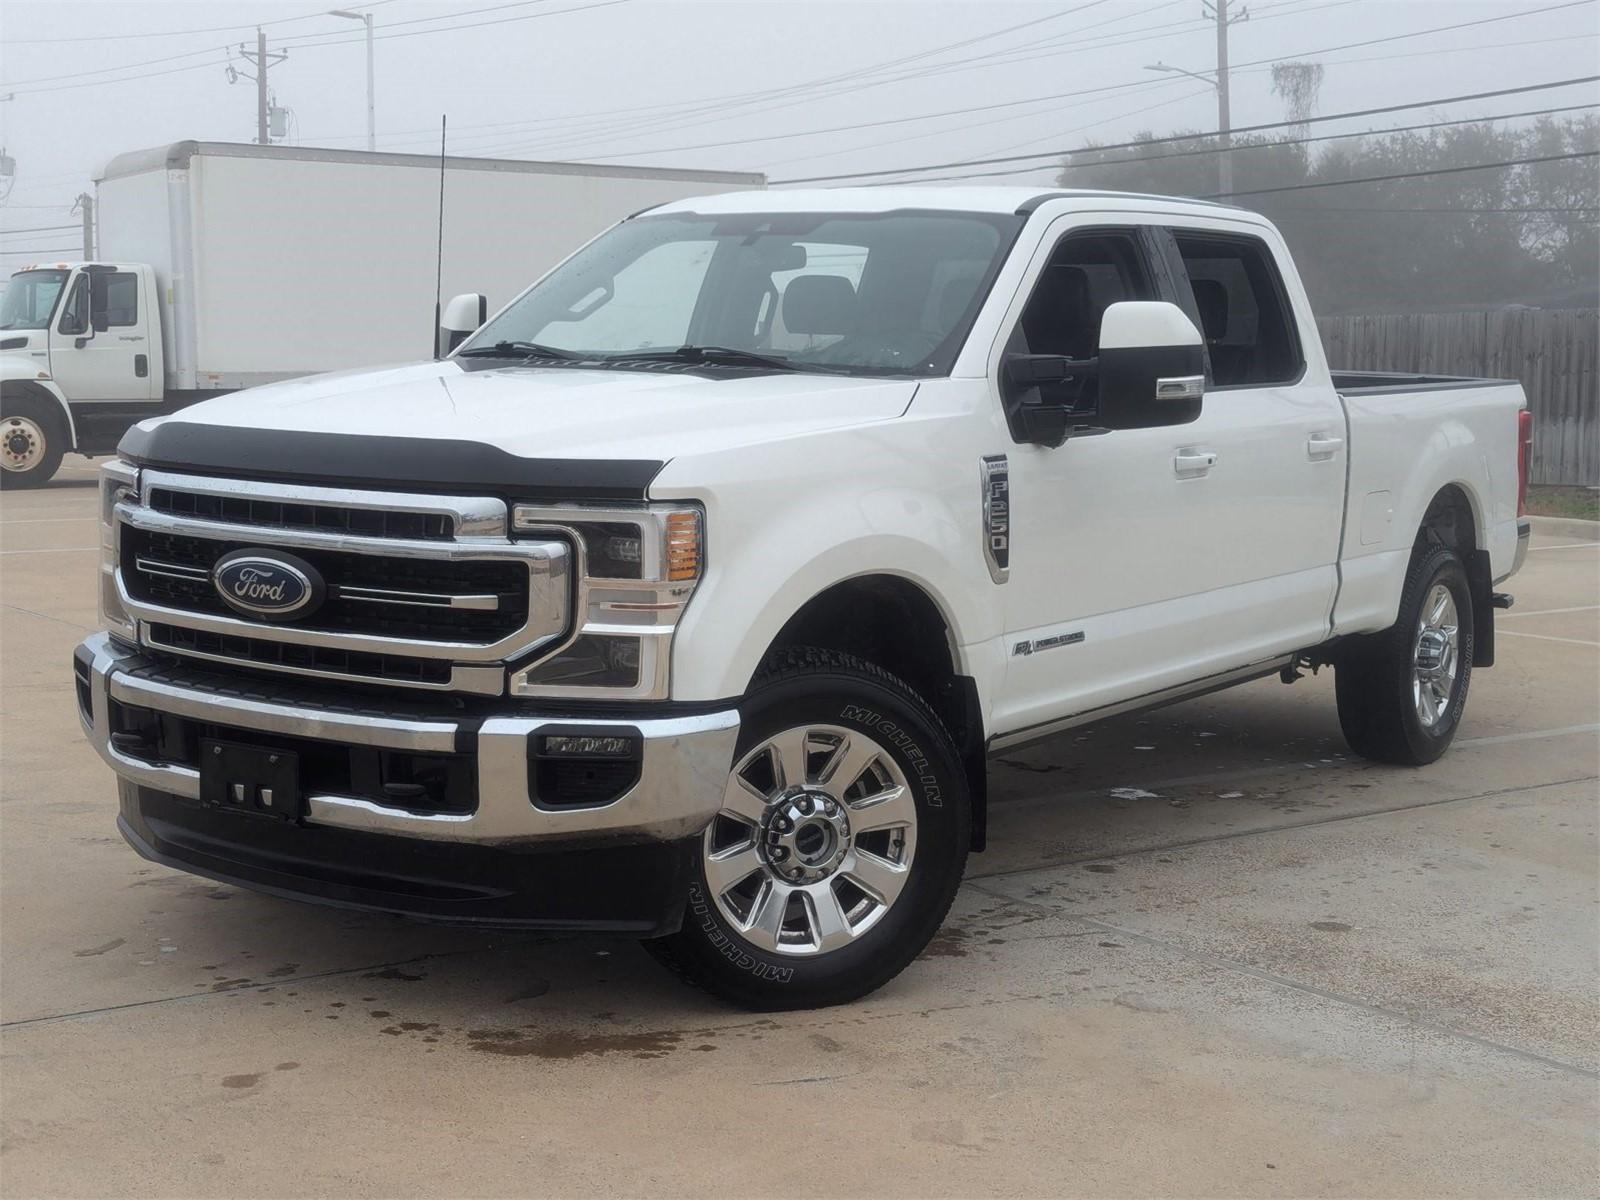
x=531 y=81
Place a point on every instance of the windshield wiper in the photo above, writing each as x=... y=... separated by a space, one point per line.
x=519 y=350
x=716 y=355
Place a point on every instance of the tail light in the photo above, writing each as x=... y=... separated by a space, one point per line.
x=1524 y=458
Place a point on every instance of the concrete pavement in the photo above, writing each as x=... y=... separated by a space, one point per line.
x=1208 y=953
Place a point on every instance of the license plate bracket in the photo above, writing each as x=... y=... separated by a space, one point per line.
x=255 y=780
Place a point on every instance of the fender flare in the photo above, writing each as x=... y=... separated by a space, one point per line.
x=43 y=389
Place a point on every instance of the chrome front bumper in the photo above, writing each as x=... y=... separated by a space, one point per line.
x=684 y=766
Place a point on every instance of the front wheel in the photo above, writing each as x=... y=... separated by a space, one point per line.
x=840 y=844
x=1401 y=692
x=32 y=441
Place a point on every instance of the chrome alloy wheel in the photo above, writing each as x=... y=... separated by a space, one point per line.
x=1436 y=657
x=814 y=841
x=22 y=444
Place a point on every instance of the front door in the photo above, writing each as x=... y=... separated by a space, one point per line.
x=100 y=345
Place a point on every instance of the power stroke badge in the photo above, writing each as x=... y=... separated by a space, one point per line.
x=268 y=585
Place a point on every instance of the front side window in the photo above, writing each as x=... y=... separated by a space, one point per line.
x=30 y=298
x=1244 y=311
x=891 y=293
x=75 y=311
x=1087 y=273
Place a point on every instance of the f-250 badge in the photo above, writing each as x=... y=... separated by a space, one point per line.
x=996 y=515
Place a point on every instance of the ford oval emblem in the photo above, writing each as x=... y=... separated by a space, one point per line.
x=268 y=584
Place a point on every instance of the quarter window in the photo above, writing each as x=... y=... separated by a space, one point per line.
x=1243 y=308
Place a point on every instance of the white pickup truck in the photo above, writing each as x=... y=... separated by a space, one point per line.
x=686 y=599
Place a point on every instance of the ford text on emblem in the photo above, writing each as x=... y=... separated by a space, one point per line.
x=267 y=585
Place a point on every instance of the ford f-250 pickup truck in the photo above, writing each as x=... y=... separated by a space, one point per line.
x=687 y=597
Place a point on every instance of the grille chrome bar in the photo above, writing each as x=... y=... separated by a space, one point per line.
x=361 y=595
x=470 y=516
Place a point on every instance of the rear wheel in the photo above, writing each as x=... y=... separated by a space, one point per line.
x=840 y=844
x=1402 y=692
x=32 y=441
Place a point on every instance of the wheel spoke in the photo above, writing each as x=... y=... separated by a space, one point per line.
x=830 y=929
x=892 y=808
x=853 y=756
x=1440 y=600
x=766 y=915
x=875 y=875
x=726 y=869
x=741 y=799
x=789 y=757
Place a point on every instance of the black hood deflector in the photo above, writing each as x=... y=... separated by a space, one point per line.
x=417 y=464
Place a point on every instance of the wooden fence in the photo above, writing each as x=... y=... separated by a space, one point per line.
x=1551 y=352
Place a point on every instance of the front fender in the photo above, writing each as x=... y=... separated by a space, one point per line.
x=20 y=376
x=865 y=504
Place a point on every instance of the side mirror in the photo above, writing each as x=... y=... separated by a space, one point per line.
x=1152 y=366
x=462 y=318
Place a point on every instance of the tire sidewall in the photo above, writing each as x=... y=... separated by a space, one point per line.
x=51 y=428
x=921 y=749
x=1440 y=566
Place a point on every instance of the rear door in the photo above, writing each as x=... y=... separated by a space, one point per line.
x=1276 y=493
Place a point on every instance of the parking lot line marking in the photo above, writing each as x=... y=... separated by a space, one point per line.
x=1545 y=637
x=1311 y=989
x=1550 y=612
x=48 y=617
x=47 y=521
x=1567 y=546
x=1284 y=827
x=55 y=550
x=1528 y=736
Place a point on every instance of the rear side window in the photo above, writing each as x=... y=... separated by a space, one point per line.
x=1244 y=310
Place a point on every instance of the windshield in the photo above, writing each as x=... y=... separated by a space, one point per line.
x=30 y=298
x=891 y=293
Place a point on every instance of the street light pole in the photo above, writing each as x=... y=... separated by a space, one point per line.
x=1218 y=10
x=372 y=118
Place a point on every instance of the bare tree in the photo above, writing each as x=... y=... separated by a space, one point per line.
x=1299 y=84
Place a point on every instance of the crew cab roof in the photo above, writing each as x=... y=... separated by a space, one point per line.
x=998 y=200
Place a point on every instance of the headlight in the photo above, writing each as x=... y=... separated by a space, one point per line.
x=639 y=567
x=119 y=481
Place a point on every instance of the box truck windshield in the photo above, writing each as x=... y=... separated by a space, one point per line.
x=30 y=298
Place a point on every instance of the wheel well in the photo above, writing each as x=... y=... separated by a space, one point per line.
x=1450 y=519
x=894 y=624
x=22 y=389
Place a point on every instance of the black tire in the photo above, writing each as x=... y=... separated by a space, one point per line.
x=811 y=686
x=36 y=425
x=1374 y=674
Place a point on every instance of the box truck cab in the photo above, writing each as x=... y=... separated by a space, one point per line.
x=80 y=360
x=226 y=266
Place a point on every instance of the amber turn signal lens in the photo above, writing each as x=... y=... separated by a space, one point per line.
x=683 y=546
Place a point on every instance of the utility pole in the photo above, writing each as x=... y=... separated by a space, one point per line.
x=85 y=205
x=1218 y=9
x=372 y=120
x=261 y=60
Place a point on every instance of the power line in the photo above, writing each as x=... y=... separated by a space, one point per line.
x=1209 y=150
x=36 y=229
x=1494 y=166
x=636 y=153
x=122 y=37
x=1188 y=137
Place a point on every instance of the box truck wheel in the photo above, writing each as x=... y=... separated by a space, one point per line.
x=840 y=845
x=1401 y=692
x=33 y=437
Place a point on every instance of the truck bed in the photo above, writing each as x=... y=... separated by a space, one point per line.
x=1347 y=382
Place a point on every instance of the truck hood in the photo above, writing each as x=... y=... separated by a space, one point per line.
x=559 y=412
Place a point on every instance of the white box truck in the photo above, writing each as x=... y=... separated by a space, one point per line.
x=225 y=266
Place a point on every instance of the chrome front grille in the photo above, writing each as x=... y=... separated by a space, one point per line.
x=419 y=610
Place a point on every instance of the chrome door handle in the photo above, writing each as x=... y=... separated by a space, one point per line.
x=1320 y=446
x=1191 y=464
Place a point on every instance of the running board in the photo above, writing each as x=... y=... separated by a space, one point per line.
x=1186 y=691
